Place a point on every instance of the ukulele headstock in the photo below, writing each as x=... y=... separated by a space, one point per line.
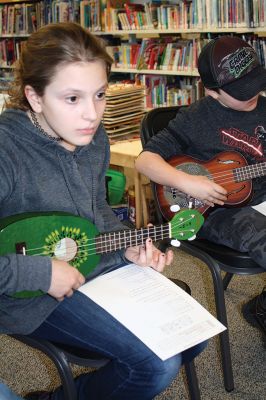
x=185 y=224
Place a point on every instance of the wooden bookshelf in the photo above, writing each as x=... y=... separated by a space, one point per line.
x=145 y=32
x=14 y=1
x=187 y=72
x=193 y=19
x=181 y=19
x=9 y=35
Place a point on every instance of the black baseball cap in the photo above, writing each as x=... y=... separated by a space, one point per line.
x=231 y=64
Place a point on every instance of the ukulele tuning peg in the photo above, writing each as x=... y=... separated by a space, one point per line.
x=175 y=243
x=192 y=237
x=175 y=208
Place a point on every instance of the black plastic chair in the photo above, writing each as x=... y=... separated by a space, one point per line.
x=63 y=355
x=218 y=258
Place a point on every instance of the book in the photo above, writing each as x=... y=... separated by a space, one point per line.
x=18 y=19
x=63 y=11
x=130 y=16
x=85 y=11
x=135 y=48
x=134 y=13
x=31 y=22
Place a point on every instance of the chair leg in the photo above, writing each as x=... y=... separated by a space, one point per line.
x=227 y=279
x=60 y=361
x=65 y=372
x=192 y=379
x=220 y=311
x=224 y=336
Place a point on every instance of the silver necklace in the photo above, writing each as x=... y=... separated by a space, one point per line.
x=38 y=126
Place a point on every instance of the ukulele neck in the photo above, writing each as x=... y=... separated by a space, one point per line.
x=113 y=241
x=249 y=172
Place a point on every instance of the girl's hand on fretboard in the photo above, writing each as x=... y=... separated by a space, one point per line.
x=149 y=256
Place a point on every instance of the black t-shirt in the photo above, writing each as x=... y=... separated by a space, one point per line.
x=207 y=128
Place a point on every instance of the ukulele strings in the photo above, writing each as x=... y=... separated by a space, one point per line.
x=226 y=176
x=158 y=231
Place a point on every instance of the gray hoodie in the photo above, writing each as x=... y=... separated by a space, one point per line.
x=39 y=175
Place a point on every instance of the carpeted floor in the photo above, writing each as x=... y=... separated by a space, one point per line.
x=24 y=369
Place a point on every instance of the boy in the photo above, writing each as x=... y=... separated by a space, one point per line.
x=232 y=117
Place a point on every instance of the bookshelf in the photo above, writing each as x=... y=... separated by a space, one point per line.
x=134 y=23
x=17 y=21
x=189 y=72
x=192 y=23
x=174 y=15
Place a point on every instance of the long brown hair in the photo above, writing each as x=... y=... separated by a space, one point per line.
x=45 y=50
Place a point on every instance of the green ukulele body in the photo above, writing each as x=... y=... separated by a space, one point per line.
x=41 y=233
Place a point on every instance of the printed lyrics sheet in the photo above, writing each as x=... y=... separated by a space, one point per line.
x=166 y=318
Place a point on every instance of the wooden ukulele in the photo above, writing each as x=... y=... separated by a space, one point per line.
x=76 y=240
x=228 y=169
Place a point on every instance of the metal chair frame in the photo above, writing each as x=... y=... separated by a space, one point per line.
x=218 y=258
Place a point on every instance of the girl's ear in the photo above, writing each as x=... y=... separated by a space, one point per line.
x=33 y=99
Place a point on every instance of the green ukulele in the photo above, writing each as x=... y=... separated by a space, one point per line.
x=77 y=241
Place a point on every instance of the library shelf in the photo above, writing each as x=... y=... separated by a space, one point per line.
x=187 y=72
x=238 y=30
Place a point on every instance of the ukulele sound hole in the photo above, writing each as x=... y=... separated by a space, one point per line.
x=193 y=168
x=66 y=249
x=174 y=196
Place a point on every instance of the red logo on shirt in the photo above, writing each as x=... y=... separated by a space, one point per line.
x=252 y=145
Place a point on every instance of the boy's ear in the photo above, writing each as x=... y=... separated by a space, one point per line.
x=33 y=99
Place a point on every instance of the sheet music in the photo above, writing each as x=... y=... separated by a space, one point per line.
x=261 y=208
x=166 y=318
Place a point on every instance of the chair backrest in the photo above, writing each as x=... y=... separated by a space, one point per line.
x=154 y=121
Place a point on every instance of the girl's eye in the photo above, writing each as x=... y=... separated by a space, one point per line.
x=72 y=99
x=100 y=95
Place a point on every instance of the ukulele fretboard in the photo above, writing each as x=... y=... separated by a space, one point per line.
x=249 y=172
x=113 y=241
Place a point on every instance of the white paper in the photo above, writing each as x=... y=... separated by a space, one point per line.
x=164 y=317
x=261 y=208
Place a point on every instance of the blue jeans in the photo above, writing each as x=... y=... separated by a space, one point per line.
x=7 y=394
x=134 y=372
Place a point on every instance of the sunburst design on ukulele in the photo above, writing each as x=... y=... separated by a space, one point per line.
x=67 y=244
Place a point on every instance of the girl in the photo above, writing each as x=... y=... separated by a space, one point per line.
x=54 y=157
